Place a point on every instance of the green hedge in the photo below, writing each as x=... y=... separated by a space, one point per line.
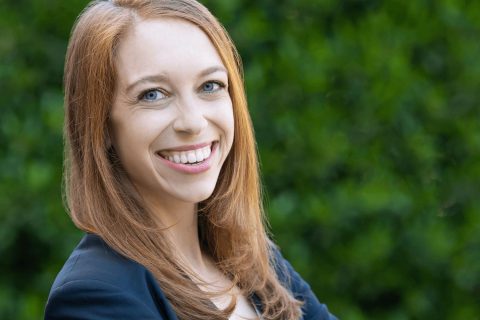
x=368 y=125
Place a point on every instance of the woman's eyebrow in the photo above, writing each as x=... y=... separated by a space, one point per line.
x=152 y=78
x=162 y=77
x=213 y=69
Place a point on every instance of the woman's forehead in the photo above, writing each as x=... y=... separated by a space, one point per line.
x=166 y=46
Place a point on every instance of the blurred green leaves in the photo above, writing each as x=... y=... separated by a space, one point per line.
x=368 y=125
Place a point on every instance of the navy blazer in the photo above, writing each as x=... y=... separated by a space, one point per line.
x=97 y=283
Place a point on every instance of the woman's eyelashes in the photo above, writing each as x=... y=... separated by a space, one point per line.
x=152 y=95
x=212 y=86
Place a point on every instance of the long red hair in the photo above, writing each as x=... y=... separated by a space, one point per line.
x=101 y=199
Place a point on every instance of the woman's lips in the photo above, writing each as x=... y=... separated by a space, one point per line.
x=186 y=155
x=188 y=147
x=190 y=161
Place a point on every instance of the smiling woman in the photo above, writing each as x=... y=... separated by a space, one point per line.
x=177 y=106
x=162 y=175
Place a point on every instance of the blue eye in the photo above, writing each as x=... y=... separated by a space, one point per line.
x=212 y=86
x=152 y=95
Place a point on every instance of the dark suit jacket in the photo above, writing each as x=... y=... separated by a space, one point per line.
x=97 y=283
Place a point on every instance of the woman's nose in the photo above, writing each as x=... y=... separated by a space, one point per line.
x=190 y=118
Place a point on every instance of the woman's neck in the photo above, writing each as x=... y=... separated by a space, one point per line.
x=181 y=222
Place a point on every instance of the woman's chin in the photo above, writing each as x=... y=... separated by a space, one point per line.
x=195 y=195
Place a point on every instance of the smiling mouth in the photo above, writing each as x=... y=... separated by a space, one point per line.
x=188 y=157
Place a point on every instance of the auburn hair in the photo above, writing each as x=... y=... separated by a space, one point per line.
x=101 y=199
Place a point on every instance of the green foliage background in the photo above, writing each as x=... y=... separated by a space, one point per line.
x=368 y=125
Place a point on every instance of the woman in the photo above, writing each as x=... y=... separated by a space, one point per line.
x=162 y=174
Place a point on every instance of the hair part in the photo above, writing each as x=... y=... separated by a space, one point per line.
x=101 y=199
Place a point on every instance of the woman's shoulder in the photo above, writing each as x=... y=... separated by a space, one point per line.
x=312 y=308
x=95 y=280
x=94 y=260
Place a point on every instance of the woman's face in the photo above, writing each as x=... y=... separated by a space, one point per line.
x=172 y=118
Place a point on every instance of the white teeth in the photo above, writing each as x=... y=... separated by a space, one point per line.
x=191 y=156
x=199 y=155
x=183 y=157
x=176 y=158
x=206 y=152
